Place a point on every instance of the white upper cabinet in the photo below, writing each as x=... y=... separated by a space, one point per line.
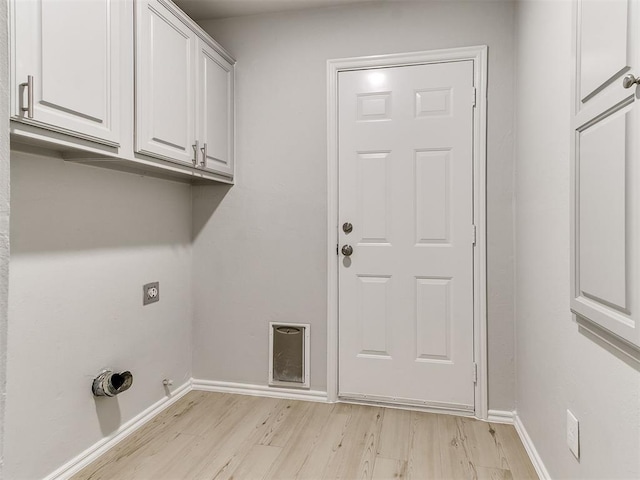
x=65 y=66
x=165 y=84
x=134 y=85
x=605 y=273
x=184 y=90
x=215 y=105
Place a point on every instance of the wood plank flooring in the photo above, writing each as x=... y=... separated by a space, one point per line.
x=223 y=436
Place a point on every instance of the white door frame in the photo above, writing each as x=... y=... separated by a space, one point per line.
x=477 y=54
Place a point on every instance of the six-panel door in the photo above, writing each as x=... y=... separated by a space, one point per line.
x=70 y=50
x=406 y=186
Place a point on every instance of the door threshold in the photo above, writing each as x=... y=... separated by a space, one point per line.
x=408 y=404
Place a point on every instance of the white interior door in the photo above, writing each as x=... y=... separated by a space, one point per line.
x=406 y=186
x=606 y=176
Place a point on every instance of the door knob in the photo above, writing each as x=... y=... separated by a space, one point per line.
x=347 y=250
x=629 y=81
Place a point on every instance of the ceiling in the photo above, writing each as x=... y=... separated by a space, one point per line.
x=207 y=9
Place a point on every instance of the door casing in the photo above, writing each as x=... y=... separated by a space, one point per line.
x=477 y=54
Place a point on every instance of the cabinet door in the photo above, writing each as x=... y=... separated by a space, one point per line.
x=605 y=172
x=70 y=49
x=215 y=110
x=165 y=106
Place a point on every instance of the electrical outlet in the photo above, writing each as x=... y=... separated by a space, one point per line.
x=150 y=293
x=573 y=434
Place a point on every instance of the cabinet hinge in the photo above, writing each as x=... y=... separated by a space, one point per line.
x=475 y=373
x=474 y=235
x=473 y=96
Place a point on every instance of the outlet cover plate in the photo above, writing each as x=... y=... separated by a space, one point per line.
x=573 y=434
x=150 y=293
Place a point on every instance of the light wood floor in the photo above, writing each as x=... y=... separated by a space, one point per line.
x=223 y=436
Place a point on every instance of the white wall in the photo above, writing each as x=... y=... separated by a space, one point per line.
x=261 y=256
x=84 y=241
x=4 y=215
x=558 y=366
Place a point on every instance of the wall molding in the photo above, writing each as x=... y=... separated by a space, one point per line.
x=101 y=447
x=538 y=464
x=259 y=390
x=501 y=416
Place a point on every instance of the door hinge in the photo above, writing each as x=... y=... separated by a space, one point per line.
x=473 y=96
x=474 y=235
x=475 y=373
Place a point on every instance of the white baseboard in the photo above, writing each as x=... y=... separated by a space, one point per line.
x=501 y=416
x=259 y=390
x=101 y=447
x=541 y=470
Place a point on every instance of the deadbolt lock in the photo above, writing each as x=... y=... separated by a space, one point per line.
x=347 y=227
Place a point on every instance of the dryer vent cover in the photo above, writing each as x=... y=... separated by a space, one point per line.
x=289 y=354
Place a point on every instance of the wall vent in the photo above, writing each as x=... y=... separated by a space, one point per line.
x=289 y=354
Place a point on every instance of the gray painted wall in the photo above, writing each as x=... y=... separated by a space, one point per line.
x=558 y=366
x=4 y=215
x=84 y=241
x=260 y=251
